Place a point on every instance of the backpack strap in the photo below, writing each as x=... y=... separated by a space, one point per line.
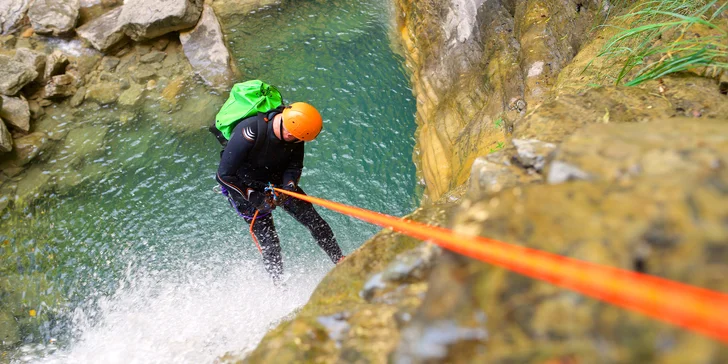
x=218 y=135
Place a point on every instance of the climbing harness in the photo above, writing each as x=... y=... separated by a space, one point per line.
x=690 y=307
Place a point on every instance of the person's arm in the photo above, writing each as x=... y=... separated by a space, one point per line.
x=292 y=173
x=242 y=141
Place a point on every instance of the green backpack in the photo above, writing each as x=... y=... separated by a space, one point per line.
x=246 y=99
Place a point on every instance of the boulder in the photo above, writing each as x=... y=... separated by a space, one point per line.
x=14 y=75
x=16 y=112
x=104 y=31
x=55 y=17
x=6 y=140
x=11 y=14
x=31 y=58
x=56 y=64
x=142 y=19
x=205 y=49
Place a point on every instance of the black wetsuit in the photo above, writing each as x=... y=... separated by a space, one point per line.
x=253 y=157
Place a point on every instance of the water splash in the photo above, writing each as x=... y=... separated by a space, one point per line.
x=191 y=315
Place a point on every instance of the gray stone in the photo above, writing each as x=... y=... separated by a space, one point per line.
x=104 y=31
x=14 y=75
x=11 y=14
x=142 y=19
x=206 y=51
x=560 y=172
x=28 y=147
x=55 y=17
x=532 y=153
x=56 y=64
x=16 y=112
x=59 y=87
x=6 y=140
x=109 y=64
x=78 y=98
x=31 y=58
x=132 y=95
x=153 y=57
x=104 y=92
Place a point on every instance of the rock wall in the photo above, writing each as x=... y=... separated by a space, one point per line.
x=476 y=67
x=530 y=148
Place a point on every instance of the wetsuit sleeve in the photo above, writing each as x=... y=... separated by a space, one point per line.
x=241 y=143
x=292 y=173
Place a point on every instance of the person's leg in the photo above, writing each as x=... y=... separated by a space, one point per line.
x=265 y=230
x=305 y=213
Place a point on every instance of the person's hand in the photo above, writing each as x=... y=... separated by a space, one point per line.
x=290 y=186
x=267 y=205
x=263 y=201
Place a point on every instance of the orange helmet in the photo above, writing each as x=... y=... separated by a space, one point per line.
x=302 y=120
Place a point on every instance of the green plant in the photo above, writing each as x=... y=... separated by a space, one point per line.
x=657 y=41
x=497 y=147
x=499 y=123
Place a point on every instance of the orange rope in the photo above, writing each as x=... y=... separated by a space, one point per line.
x=255 y=216
x=693 y=308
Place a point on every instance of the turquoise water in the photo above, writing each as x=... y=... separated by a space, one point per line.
x=143 y=262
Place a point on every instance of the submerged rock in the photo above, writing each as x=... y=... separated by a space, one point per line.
x=56 y=17
x=205 y=49
x=28 y=147
x=103 y=92
x=142 y=19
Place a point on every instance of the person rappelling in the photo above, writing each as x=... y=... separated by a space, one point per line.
x=264 y=148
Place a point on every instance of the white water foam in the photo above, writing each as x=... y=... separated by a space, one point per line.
x=191 y=316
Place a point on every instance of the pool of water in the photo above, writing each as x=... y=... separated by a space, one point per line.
x=143 y=262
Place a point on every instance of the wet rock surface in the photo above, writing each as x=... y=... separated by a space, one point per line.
x=205 y=49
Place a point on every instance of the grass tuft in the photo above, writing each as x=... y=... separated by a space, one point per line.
x=664 y=37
